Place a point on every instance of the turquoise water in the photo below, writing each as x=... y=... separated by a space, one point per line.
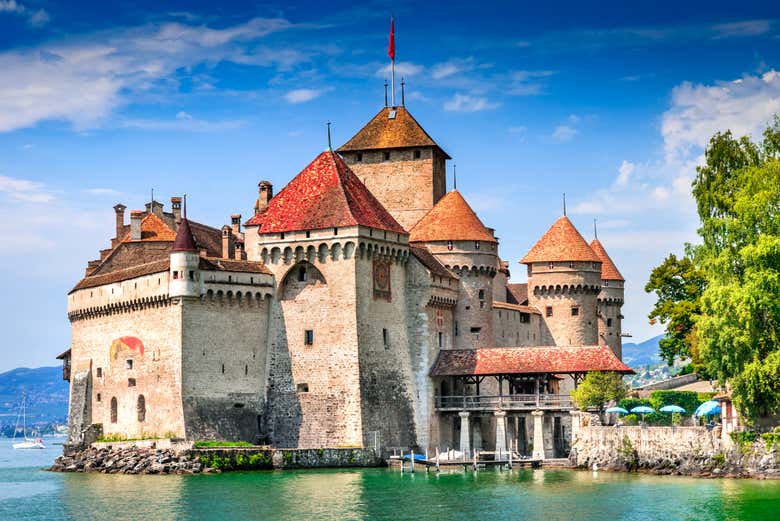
x=28 y=493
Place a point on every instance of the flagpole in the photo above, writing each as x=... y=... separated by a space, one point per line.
x=392 y=68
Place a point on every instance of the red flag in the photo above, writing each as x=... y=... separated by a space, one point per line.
x=391 y=45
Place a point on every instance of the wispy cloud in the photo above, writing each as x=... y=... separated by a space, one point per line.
x=303 y=95
x=24 y=190
x=82 y=80
x=99 y=192
x=528 y=83
x=34 y=17
x=744 y=28
x=406 y=69
x=469 y=103
x=183 y=122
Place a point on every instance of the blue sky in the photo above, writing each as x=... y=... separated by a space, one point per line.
x=610 y=103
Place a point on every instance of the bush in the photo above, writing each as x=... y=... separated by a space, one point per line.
x=215 y=443
x=599 y=388
x=688 y=400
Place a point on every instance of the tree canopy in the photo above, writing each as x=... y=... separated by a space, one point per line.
x=599 y=388
x=720 y=303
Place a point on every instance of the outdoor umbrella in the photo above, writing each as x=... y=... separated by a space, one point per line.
x=672 y=408
x=708 y=408
x=642 y=409
x=618 y=410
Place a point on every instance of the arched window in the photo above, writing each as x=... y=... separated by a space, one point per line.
x=113 y=409
x=141 y=408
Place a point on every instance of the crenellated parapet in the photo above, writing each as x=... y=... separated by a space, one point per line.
x=120 y=306
x=566 y=289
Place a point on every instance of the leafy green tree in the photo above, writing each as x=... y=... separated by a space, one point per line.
x=678 y=285
x=599 y=388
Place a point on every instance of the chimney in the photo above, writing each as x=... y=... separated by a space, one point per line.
x=135 y=224
x=235 y=221
x=155 y=207
x=176 y=209
x=265 y=193
x=120 y=220
x=227 y=241
x=239 y=251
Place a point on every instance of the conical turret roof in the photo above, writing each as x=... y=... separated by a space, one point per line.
x=451 y=219
x=562 y=242
x=392 y=127
x=184 y=240
x=608 y=269
x=326 y=194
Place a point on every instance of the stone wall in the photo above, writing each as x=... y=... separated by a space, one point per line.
x=672 y=450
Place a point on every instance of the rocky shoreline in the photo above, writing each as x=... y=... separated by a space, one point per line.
x=130 y=460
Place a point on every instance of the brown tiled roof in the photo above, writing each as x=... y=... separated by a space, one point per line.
x=562 y=242
x=242 y=266
x=184 y=240
x=154 y=229
x=517 y=307
x=517 y=293
x=381 y=132
x=207 y=238
x=430 y=262
x=526 y=360
x=451 y=219
x=608 y=269
x=123 y=274
x=326 y=194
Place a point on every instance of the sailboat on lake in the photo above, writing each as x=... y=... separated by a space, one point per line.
x=28 y=443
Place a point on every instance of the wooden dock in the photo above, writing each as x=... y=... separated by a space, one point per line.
x=481 y=460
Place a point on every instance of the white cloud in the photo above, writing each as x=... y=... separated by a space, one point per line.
x=102 y=191
x=405 y=69
x=468 y=103
x=24 y=190
x=744 y=106
x=303 y=95
x=35 y=17
x=82 y=80
x=563 y=133
x=183 y=122
x=743 y=28
x=528 y=83
x=452 y=67
x=625 y=170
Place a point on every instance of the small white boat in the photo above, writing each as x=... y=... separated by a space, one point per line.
x=28 y=443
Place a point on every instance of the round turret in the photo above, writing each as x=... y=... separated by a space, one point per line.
x=564 y=281
x=610 y=301
x=185 y=279
x=453 y=233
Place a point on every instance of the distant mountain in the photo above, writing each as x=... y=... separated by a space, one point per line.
x=645 y=353
x=46 y=391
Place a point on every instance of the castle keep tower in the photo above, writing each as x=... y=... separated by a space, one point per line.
x=453 y=233
x=610 y=301
x=564 y=280
x=400 y=163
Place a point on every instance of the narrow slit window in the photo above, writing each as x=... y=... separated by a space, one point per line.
x=385 y=338
x=441 y=339
x=548 y=311
x=309 y=337
x=575 y=311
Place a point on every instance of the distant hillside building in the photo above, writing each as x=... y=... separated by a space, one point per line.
x=362 y=304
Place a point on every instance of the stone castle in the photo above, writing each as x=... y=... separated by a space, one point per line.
x=362 y=305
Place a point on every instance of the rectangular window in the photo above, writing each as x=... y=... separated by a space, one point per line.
x=606 y=283
x=609 y=322
x=303 y=388
x=417 y=154
x=128 y=364
x=359 y=157
x=387 y=156
x=575 y=311
x=335 y=231
x=309 y=337
x=475 y=329
x=192 y=275
x=131 y=382
x=551 y=265
x=548 y=311
x=457 y=332
x=281 y=235
x=441 y=339
x=175 y=275
x=385 y=338
x=476 y=245
x=302 y=275
x=99 y=372
x=98 y=397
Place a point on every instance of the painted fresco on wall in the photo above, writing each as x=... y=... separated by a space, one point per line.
x=382 y=280
x=126 y=343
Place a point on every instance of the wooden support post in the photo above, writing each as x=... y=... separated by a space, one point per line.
x=475 y=460
x=411 y=461
x=402 y=462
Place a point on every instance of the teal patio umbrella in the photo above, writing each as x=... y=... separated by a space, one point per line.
x=672 y=408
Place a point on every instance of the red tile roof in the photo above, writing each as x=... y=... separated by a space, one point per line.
x=451 y=219
x=562 y=242
x=526 y=360
x=256 y=219
x=517 y=293
x=326 y=194
x=381 y=132
x=184 y=240
x=608 y=269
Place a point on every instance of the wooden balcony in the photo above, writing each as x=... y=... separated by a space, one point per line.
x=514 y=402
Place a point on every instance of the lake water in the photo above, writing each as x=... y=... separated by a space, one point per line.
x=29 y=493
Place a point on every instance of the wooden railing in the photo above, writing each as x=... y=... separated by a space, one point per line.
x=510 y=402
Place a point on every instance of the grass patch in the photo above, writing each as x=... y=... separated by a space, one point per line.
x=216 y=443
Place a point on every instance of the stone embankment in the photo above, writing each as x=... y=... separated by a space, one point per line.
x=690 y=451
x=167 y=458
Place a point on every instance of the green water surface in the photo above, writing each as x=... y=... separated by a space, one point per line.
x=27 y=493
